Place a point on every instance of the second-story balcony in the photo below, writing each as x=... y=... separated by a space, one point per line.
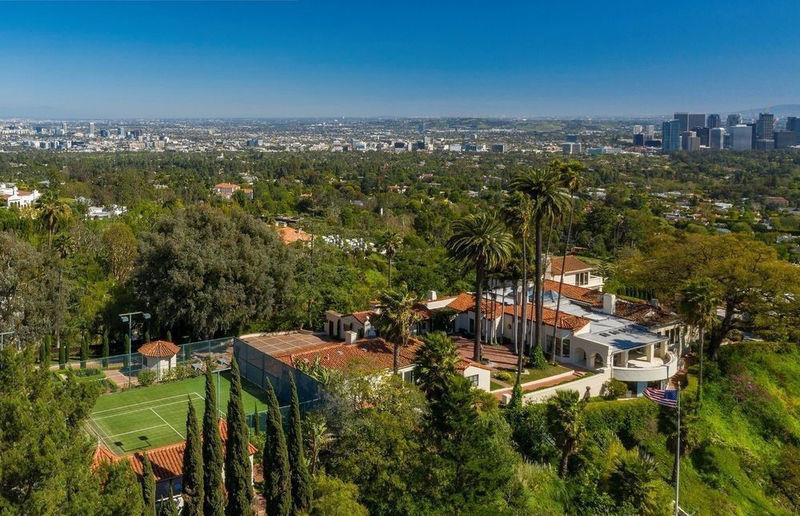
x=642 y=370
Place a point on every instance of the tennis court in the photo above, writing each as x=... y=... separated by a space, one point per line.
x=154 y=416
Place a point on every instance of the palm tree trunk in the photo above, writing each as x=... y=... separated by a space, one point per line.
x=476 y=352
x=390 y=273
x=561 y=281
x=521 y=349
x=562 y=466
x=516 y=316
x=700 y=379
x=395 y=348
x=538 y=284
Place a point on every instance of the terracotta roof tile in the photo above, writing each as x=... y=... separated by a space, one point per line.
x=159 y=349
x=571 y=264
x=580 y=294
x=367 y=355
x=167 y=461
x=102 y=455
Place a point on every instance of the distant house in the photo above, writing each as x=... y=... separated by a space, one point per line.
x=575 y=271
x=226 y=190
x=167 y=463
x=336 y=324
x=12 y=196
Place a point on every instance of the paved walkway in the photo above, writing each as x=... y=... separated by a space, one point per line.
x=543 y=383
x=500 y=356
x=116 y=376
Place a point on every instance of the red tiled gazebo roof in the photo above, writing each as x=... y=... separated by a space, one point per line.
x=159 y=349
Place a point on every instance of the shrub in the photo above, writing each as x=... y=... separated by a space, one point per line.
x=537 y=360
x=89 y=371
x=503 y=376
x=614 y=389
x=146 y=377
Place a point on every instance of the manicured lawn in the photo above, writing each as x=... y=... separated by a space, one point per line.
x=149 y=417
x=529 y=375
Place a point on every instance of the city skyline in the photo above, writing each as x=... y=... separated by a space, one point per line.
x=313 y=59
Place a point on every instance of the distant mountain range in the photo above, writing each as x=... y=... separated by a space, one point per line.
x=780 y=111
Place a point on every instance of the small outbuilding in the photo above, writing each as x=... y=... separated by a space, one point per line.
x=159 y=356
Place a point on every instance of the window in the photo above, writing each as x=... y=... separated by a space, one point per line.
x=565 y=348
x=408 y=376
x=582 y=278
x=549 y=343
x=473 y=379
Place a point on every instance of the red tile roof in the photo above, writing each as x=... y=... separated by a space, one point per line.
x=362 y=316
x=226 y=186
x=565 y=321
x=103 y=455
x=159 y=349
x=580 y=294
x=167 y=461
x=571 y=264
x=366 y=355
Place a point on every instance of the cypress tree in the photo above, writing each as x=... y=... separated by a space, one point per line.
x=105 y=349
x=238 y=472
x=192 y=466
x=169 y=336
x=301 y=480
x=48 y=341
x=148 y=487
x=214 y=498
x=84 y=351
x=277 y=478
x=256 y=422
x=168 y=507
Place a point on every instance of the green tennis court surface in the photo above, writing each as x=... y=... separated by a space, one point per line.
x=154 y=416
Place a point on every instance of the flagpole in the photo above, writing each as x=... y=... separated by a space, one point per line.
x=678 y=453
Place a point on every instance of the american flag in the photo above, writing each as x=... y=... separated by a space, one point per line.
x=666 y=397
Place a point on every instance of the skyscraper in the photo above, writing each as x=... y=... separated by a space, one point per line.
x=671 y=135
x=690 y=142
x=741 y=137
x=683 y=119
x=91 y=129
x=716 y=138
x=713 y=120
x=764 y=126
x=696 y=120
x=734 y=119
x=785 y=139
x=793 y=124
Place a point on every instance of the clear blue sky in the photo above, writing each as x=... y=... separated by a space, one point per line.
x=375 y=58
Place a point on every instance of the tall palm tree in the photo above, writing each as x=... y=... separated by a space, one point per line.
x=396 y=319
x=53 y=212
x=549 y=200
x=518 y=213
x=698 y=304
x=573 y=181
x=390 y=242
x=481 y=241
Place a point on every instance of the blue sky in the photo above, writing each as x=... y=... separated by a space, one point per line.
x=314 y=58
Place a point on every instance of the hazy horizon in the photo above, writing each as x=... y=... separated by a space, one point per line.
x=308 y=59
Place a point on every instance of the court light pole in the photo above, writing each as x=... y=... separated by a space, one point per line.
x=128 y=318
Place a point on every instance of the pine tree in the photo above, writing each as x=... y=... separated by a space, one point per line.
x=84 y=351
x=301 y=480
x=277 y=478
x=192 y=466
x=238 y=473
x=105 y=349
x=148 y=487
x=214 y=498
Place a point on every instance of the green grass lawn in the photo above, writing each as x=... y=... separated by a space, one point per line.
x=154 y=416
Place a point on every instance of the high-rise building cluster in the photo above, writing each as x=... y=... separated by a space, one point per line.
x=694 y=131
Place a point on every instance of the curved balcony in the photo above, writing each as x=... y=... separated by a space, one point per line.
x=640 y=371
